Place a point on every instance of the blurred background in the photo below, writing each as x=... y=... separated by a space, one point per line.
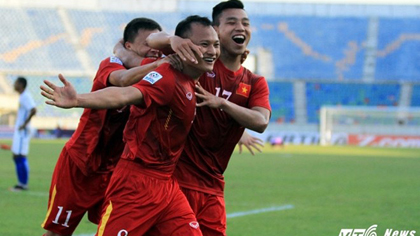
x=360 y=60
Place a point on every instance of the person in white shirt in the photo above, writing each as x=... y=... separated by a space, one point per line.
x=22 y=134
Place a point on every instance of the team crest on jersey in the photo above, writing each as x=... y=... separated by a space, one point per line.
x=152 y=77
x=189 y=96
x=115 y=60
x=243 y=89
x=194 y=224
x=211 y=74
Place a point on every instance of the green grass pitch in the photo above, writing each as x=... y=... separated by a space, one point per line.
x=294 y=191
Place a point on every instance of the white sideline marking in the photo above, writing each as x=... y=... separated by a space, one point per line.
x=241 y=213
x=258 y=211
x=29 y=192
x=38 y=194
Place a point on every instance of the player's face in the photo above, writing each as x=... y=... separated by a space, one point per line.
x=234 y=31
x=140 y=46
x=17 y=86
x=206 y=38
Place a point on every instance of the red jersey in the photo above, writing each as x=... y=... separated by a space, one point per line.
x=214 y=134
x=97 y=144
x=156 y=131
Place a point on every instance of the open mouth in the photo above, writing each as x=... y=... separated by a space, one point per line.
x=239 y=39
x=209 y=59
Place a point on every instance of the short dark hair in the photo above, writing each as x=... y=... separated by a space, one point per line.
x=132 y=28
x=183 y=28
x=21 y=80
x=219 y=8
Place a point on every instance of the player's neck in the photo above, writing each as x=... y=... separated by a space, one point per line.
x=231 y=62
x=191 y=72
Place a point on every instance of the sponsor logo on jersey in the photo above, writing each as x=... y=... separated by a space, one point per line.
x=243 y=89
x=189 y=96
x=152 y=77
x=194 y=224
x=115 y=60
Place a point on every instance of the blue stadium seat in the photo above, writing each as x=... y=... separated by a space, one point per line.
x=27 y=46
x=415 y=97
x=398 y=50
x=281 y=100
x=352 y=94
x=312 y=47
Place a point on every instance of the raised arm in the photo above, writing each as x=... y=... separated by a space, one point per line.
x=255 y=118
x=108 y=98
x=168 y=44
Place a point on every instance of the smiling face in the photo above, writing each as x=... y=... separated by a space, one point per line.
x=234 y=31
x=206 y=38
x=140 y=46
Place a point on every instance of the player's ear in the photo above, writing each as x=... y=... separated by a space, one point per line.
x=127 y=45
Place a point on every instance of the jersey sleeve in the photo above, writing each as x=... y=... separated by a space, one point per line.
x=157 y=87
x=106 y=67
x=259 y=96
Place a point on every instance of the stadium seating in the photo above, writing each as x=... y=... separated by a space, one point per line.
x=281 y=99
x=312 y=47
x=329 y=50
x=27 y=46
x=352 y=94
x=398 y=50
x=415 y=96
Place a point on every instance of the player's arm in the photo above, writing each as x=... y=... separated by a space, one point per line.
x=108 y=98
x=131 y=76
x=168 y=44
x=32 y=112
x=255 y=118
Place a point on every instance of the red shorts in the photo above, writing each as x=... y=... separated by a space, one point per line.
x=72 y=194
x=210 y=211
x=139 y=204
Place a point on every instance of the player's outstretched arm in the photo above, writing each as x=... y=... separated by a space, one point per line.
x=255 y=119
x=168 y=44
x=108 y=98
x=250 y=142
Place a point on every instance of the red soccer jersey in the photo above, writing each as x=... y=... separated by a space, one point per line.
x=214 y=133
x=97 y=142
x=156 y=131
